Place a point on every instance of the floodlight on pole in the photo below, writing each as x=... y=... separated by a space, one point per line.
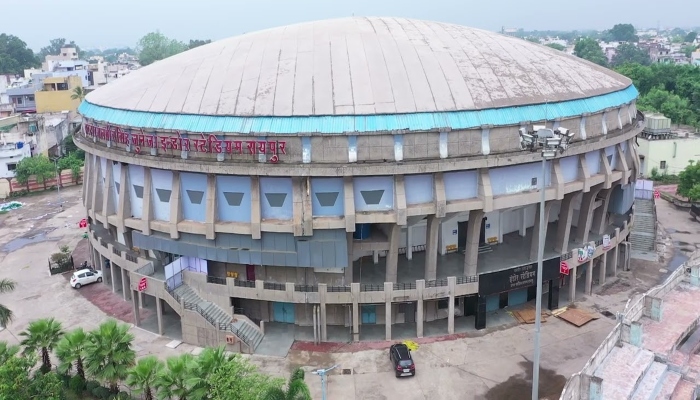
x=322 y=373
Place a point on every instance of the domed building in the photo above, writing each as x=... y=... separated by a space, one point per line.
x=352 y=176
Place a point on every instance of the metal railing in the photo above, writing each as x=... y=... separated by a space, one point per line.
x=116 y=251
x=240 y=283
x=216 y=279
x=274 y=286
x=131 y=257
x=338 y=289
x=461 y=280
x=146 y=270
x=306 y=288
x=369 y=287
x=103 y=243
x=436 y=283
x=406 y=286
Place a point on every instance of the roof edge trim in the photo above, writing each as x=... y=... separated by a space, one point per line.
x=349 y=124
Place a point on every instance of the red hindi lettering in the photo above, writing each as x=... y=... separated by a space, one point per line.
x=152 y=141
x=214 y=144
x=262 y=146
x=282 y=146
x=250 y=145
x=174 y=142
x=163 y=142
x=183 y=142
x=228 y=146
x=238 y=146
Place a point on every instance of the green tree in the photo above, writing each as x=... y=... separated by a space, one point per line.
x=196 y=43
x=589 y=49
x=78 y=93
x=70 y=351
x=7 y=351
x=17 y=382
x=55 y=46
x=42 y=335
x=690 y=37
x=15 y=56
x=6 y=315
x=179 y=380
x=156 y=46
x=40 y=167
x=556 y=46
x=533 y=39
x=629 y=53
x=669 y=104
x=108 y=353
x=142 y=376
x=296 y=389
x=688 y=50
x=622 y=33
x=689 y=181
x=241 y=378
x=73 y=162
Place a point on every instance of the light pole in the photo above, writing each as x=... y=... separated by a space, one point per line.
x=58 y=183
x=549 y=142
x=322 y=373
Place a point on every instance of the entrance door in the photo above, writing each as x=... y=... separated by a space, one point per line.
x=462 y=235
x=369 y=314
x=409 y=311
x=250 y=272
x=283 y=312
x=482 y=232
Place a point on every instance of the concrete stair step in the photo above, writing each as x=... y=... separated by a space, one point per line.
x=650 y=382
x=684 y=391
x=668 y=385
x=623 y=368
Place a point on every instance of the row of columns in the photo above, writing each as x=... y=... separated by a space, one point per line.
x=602 y=262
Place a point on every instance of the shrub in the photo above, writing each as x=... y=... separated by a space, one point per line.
x=65 y=379
x=77 y=384
x=90 y=386
x=101 y=392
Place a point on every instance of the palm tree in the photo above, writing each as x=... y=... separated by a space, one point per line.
x=296 y=389
x=142 y=376
x=7 y=352
x=108 y=353
x=179 y=379
x=43 y=335
x=71 y=350
x=6 y=286
x=78 y=93
x=208 y=361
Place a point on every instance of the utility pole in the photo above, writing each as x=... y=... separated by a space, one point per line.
x=322 y=373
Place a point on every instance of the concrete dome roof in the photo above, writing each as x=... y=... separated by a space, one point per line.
x=358 y=66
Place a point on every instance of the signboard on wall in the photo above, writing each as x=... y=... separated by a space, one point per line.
x=564 y=268
x=143 y=284
x=606 y=242
x=138 y=139
x=518 y=277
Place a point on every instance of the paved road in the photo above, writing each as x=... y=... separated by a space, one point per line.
x=494 y=365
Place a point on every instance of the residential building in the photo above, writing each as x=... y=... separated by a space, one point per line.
x=695 y=58
x=72 y=68
x=55 y=95
x=13 y=149
x=355 y=202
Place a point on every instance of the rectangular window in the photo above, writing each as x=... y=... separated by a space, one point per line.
x=11 y=167
x=31 y=98
x=662 y=165
x=18 y=100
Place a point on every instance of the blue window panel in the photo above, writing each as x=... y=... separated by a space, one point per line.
x=193 y=196
x=276 y=198
x=116 y=185
x=327 y=197
x=461 y=185
x=374 y=193
x=569 y=168
x=136 y=179
x=492 y=303
x=162 y=187
x=517 y=297
x=418 y=188
x=519 y=178
x=593 y=162
x=233 y=198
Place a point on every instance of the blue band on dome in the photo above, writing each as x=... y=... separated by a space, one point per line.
x=340 y=124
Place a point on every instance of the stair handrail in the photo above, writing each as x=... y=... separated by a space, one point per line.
x=222 y=326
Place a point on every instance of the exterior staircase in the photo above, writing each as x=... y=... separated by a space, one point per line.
x=643 y=235
x=217 y=317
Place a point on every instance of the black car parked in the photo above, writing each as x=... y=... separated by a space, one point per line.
x=401 y=359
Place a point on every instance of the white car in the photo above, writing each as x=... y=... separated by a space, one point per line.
x=85 y=277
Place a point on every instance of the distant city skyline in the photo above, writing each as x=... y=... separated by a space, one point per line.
x=121 y=24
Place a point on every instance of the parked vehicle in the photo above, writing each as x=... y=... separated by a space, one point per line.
x=85 y=277
x=401 y=359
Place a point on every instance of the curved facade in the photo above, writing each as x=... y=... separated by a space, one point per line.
x=357 y=172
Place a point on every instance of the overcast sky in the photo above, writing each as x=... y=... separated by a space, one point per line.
x=100 y=24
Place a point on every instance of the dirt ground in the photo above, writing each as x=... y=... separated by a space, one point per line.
x=492 y=365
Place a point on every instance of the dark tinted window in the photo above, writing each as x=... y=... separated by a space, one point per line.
x=405 y=363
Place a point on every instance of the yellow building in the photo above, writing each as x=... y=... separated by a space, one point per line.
x=56 y=93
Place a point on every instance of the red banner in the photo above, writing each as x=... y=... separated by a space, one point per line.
x=563 y=268
x=143 y=284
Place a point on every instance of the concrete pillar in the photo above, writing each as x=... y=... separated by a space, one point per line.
x=400 y=200
x=409 y=240
x=159 y=314
x=125 y=285
x=124 y=207
x=451 y=282
x=392 y=256
x=616 y=254
x=175 y=206
x=589 y=277
x=535 y=240
x=147 y=212
x=585 y=215
x=602 y=269
x=388 y=319
x=566 y=217
x=420 y=287
x=141 y=300
x=572 y=284
x=431 y=247
x=255 y=212
x=355 y=295
x=600 y=216
x=322 y=294
x=349 y=195
x=135 y=308
x=349 y=268
x=471 y=255
x=210 y=211
x=522 y=227
x=112 y=276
